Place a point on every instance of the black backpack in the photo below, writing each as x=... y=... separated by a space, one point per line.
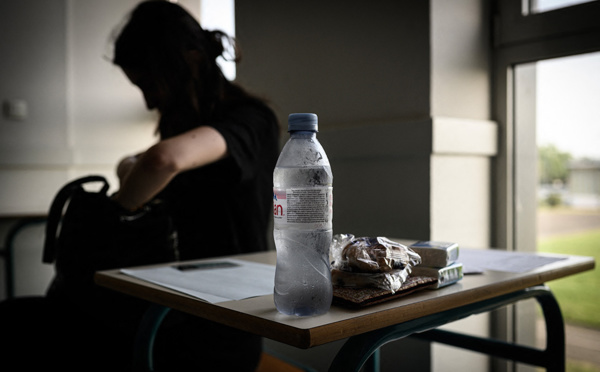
x=87 y=231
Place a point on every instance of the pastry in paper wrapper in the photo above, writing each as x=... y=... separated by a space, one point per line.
x=370 y=262
x=392 y=280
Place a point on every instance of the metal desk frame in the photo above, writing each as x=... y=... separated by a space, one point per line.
x=363 y=349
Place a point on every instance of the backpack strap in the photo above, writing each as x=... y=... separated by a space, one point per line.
x=56 y=211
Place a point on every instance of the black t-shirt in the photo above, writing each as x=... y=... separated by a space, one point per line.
x=224 y=208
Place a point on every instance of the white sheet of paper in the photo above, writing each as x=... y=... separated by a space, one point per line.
x=244 y=280
x=496 y=260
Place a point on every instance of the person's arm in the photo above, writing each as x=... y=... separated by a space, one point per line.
x=155 y=168
x=125 y=166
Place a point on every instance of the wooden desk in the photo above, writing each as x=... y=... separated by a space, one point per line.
x=376 y=324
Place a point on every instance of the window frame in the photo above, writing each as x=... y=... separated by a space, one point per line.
x=520 y=39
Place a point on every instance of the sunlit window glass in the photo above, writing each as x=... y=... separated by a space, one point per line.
x=541 y=6
x=220 y=14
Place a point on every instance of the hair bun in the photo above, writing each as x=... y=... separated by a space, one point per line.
x=222 y=44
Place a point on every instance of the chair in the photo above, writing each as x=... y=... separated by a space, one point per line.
x=7 y=252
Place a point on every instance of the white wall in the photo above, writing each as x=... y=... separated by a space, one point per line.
x=397 y=86
x=402 y=90
x=32 y=69
x=364 y=68
x=464 y=144
x=107 y=115
x=82 y=113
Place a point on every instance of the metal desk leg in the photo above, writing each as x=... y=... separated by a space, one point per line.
x=555 y=332
x=552 y=357
x=373 y=363
x=357 y=349
x=143 y=359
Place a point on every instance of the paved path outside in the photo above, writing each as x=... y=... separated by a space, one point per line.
x=552 y=223
x=583 y=344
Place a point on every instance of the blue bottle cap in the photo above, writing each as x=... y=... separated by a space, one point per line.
x=309 y=122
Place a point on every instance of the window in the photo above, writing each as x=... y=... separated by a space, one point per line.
x=521 y=40
x=527 y=44
x=220 y=14
x=541 y=6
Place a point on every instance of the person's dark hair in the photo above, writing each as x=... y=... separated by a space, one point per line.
x=164 y=41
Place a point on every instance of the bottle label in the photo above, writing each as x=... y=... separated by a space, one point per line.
x=306 y=207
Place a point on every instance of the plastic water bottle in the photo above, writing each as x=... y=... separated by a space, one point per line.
x=303 y=212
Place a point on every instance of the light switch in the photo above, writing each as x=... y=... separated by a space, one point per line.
x=15 y=109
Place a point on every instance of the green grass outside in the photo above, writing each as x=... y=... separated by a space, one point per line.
x=578 y=295
x=575 y=366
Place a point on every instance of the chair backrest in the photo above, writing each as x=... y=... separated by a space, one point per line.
x=10 y=244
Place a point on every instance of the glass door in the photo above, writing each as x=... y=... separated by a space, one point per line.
x=557 y=183
x=537 y=42
x=568 y=191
